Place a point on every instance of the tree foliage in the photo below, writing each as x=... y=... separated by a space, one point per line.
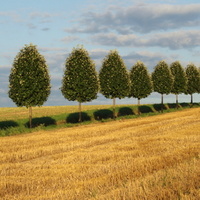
x=113 y=76
x=80 y=81
x=141 y=84
x=29 y=78
x=193 y=80
x=199 y=84
x=29 y=81
x=180 y=79
x=162 y=78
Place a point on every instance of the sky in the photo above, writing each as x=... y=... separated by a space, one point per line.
x=144 y=30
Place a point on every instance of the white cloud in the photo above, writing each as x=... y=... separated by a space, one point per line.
x=69 y=39
x=173 y=40
x=150 y=59
x=44 y=17
x=98 y=53
x=141 y=18
x=13 y=15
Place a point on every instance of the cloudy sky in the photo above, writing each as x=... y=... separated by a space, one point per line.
x=144 y=30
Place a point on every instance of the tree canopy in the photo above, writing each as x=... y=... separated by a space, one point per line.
x=141 y=84
x=80 y=81
x=114 y=77
x=29 y=80
x=162 y=79
x=193 y=80
x=180 y=81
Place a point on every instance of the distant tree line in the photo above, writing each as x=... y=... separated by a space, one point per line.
x=29 y=80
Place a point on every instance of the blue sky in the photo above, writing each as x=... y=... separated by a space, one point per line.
x=144 y=30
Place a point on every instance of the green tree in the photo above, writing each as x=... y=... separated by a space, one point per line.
x=180 y=79
x=198 y=85
x=114 y=78
x=141 y=84
x=162 y=80
x=80 y=80
x=193 y=80
x=29 y=81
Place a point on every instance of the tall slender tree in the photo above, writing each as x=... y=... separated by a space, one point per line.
x=162 y=80
x=198 y=85
x=141 y=84
x=180 y=80
x=193 y=80
x=114 y=78
x=80 y=81
x=29 y=80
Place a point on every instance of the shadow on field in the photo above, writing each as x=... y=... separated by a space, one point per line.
x=8 y=124
x=44 y=121
x=145 y=109
x=173 y=105
x=185 y=105
x=158 y=107
x=125 y=111
x=103 y=114
x=74 y=117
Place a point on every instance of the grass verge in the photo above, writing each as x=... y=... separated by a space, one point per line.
x=20 y=126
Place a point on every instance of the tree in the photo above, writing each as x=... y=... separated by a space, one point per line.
x=162 y=80
x=180 y=80
x=114 y=78
x=141 y=84
x=193 y=80
x=199 y=84
x=29 y=81
x=80 y=81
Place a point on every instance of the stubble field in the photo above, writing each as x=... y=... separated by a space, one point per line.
x=147 y=158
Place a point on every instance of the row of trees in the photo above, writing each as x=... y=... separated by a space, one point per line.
x=29 y=80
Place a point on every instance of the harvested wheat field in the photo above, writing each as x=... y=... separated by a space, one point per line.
x=145 y=158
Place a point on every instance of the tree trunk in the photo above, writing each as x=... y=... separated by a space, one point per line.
x=138 y=106
x=114 y=110
x=177 y=101
x=191 y=100
x=80 y=116
x=30 y=117
x=162 y=105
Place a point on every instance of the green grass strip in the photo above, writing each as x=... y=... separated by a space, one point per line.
x=21 y=126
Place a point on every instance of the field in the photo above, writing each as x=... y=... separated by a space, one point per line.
x=22 y=112
x=156 y=157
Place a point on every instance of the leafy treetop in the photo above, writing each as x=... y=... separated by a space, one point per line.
x=113 y=76
x=29 y=80
x=80 y=81
x=162 y=78
x=141 y=84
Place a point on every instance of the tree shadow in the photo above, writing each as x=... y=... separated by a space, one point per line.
x=173 y=105
x=145 y=109
x=125 y=111
x=74 y=117
x=185 y=105
x=8 y=124
x=159 y=107
x=44 y=121
x=103 y=114
x=195 y=104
